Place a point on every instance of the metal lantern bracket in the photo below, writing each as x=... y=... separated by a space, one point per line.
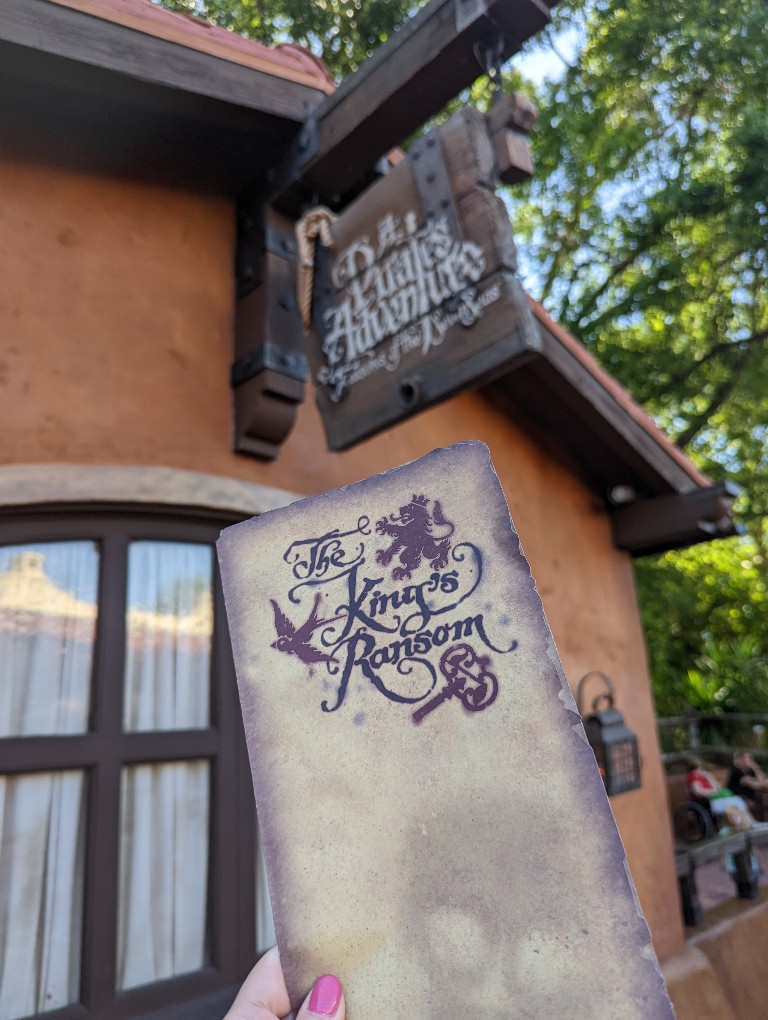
x=613 y=743
x=604 y=695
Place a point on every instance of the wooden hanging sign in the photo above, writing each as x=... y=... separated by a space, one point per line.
x=415 y=294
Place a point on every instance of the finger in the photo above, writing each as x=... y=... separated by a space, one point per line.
x=263 y=995
x=325 y=1000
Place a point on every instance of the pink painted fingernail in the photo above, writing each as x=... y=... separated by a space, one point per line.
x=326 y=996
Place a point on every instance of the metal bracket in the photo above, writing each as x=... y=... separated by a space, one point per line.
x=430 y=178
x=269 y=356
x=280 y=243
x=490 y=57
x=306 y=143
x=287 y=179
x=253 y=240
x=249 y=268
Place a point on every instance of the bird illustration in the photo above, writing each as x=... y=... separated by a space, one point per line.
x=295 y=640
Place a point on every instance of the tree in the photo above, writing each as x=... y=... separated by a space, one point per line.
x=343 y=33
x=704 y=612
x=646 y=230
x=648 y=216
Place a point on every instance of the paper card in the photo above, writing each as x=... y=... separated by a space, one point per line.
x=435 y=829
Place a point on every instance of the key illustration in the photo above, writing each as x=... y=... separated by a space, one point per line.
x=467 y=677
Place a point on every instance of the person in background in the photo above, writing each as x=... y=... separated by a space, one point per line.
x=722 y=802
x=264 y=996
x=748 y=780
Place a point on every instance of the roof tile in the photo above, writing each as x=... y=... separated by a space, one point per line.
x=284 y=61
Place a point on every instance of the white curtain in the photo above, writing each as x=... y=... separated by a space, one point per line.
x=168 y=640
x=163 y=871
x=165 y=807
x=47 y=623
x=167 y=686
x=41 y=891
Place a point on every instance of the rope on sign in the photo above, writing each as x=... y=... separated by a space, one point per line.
x=316 y=223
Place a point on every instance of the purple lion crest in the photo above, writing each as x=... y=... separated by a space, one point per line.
x=413 y=530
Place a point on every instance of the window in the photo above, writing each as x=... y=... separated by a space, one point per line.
x=127 y=831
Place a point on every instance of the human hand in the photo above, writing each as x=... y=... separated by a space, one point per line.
x=264 y=995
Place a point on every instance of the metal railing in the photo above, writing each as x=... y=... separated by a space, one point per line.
x=713 y=736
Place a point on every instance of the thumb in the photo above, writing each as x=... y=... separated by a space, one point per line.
x=325 y=1000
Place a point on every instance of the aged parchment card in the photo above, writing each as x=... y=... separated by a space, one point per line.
x=435 y=828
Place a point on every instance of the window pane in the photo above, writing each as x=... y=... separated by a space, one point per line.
x=169 y=625
x=163 y=871
x=47 y=625
x=42 y=836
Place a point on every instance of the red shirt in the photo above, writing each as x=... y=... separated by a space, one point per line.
x=697 y=778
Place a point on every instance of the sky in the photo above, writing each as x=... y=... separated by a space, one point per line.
x=539 y=62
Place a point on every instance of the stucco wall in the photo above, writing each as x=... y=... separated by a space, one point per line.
x=116 y=313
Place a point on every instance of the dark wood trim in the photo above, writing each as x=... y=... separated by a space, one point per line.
x=583 y=425
x=107 y=696
x=590 y=399
x=203 y=995
x=49 y=753
x=84 y=39
x=408 y=79
x=674 y=522
x=169 y=745
x=84 y=91
x=208 y=1007
x=179 y=118
x=587 y=427
x=246 y=863
x=99 y=74
x=46 y=753
x=99 y=958
x=73 y=1012
x=174 y=995
x=132 y=138
x=232 y=845
x=136 y=521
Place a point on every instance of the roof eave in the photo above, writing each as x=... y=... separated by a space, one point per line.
x=656 y=497
x=83 y=90
x=676 y=521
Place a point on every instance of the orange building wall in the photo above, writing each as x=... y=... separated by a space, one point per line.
x=116 y=307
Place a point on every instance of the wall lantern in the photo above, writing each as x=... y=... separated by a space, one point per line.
x=614 y=744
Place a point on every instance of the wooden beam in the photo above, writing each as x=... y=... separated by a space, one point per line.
x=87 y=94
x=48 y=28
x=79 y=117
x=557 y=394
x=338 y=139
x=510 y=122
x=597 y=405
x=674 y=522
x=411 y=77
x=569 y=407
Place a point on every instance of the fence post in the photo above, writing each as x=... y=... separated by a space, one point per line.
x=694 y=737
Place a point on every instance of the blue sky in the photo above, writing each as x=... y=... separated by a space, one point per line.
x=539 y=62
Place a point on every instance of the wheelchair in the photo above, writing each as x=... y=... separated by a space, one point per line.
x=693 y=822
